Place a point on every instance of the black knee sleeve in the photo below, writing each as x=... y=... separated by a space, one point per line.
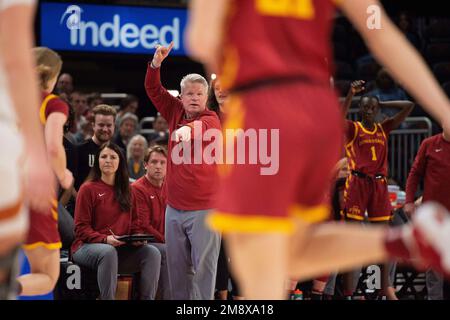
x=9 y=267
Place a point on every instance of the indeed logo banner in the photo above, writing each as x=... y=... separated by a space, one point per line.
x=122 y=29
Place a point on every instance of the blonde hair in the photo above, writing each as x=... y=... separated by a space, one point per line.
x=48 y=65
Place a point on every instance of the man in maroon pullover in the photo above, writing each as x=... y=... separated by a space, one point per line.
x=149 y=208
x=192 y=248
x=432 y=165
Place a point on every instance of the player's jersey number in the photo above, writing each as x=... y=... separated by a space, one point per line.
x=300 y=9
x=374 y=155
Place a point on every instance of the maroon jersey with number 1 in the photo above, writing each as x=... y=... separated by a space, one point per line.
x=366 y=189
x=367 y=150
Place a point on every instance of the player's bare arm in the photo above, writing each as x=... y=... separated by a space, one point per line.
x=15 y=48
x=405 y=109
x=356 y=87
x=55 y=149
x=204 y=34
x=385 y=43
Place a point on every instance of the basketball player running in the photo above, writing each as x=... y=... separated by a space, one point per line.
x=19 y=93
x=271 y=55
x=43 y=241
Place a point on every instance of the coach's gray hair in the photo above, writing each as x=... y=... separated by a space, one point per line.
x=193 y=77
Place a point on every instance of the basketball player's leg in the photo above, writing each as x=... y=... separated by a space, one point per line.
x=357 y=194
x=259 y=263
x=44 y=271
x=12 y=233
x=13 y=215
x=334 y=246
x=255 y=230
x=42 y=250
x=9 y=250
x=13 y=222
x=312 y=252
x=379 y=211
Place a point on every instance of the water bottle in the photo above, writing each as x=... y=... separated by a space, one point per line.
x=298 y=294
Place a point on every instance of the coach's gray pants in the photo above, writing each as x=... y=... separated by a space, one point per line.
x=192 y=253
x=109 y=261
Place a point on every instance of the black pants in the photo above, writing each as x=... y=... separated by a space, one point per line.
x=223 y=273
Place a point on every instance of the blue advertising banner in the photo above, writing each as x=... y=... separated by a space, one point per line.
x=101 y=28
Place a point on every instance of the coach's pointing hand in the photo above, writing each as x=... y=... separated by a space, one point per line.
x=183 y=134
x=160 y=54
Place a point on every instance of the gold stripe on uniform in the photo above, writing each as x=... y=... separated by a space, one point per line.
x=350 y=153
x=310 y=214
x=382 y=131
x=55 y=214
x=230 y=67
x=44 y=107
x=367 y=131
x=229 y=222
x=49 y=246
x=354 y=216
x=235 y=118
x=384 y=218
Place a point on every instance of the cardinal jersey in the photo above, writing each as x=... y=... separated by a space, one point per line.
x=366 y=188
x=275 y=63
x=283 y=39
x=367 y=150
